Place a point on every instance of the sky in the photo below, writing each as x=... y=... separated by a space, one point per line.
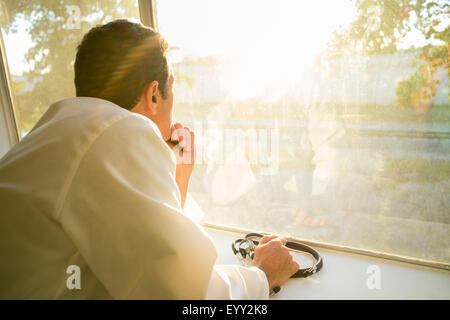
x=251 y=31
x=227 y=26
x=204 y=27
x=17 y=45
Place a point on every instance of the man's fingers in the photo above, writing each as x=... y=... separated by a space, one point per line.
x=174 y=136
x=182 y=138
x=295 y=266
x=182 y=135
x=266 y=239
x=283 y=240
x=185 y=140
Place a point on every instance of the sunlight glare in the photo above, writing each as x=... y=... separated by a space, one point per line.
x=264 y=47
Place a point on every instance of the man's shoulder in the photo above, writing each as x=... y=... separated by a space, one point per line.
x=76 y=125
x=107 y=126
x=87 y=115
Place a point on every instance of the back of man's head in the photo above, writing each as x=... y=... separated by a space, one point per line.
x=116 y=61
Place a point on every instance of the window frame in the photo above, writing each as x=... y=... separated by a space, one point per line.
x=8 y=111
x=147 y=12
x=148 y=17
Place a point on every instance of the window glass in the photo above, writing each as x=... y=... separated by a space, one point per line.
x=41 y=38
x=326 y=120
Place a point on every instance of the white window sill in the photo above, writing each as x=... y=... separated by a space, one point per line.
x=344 y=276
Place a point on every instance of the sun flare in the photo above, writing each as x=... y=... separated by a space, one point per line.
x=263 y=47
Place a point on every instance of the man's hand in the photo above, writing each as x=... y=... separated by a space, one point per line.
x=182 y=142
x=274 y=258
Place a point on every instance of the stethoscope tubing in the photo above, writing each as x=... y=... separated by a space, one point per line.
x=293 y=246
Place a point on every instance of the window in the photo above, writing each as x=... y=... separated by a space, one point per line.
x=325 y=120
x=41 y=38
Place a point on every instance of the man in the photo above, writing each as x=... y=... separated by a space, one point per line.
x=94 y=189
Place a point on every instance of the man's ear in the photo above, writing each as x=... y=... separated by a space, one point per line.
x=151 y=97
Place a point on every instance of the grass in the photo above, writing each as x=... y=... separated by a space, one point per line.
x=419 y=169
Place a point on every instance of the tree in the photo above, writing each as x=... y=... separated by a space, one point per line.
x=56 y=29
x=381 y=26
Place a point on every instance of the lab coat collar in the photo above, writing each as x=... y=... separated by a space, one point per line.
x=92 y=102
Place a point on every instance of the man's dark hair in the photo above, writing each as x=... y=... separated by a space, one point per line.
x=116 y=61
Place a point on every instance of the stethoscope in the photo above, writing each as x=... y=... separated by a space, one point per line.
x=245 y=249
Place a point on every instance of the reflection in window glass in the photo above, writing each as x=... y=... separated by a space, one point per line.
x=324 y=126
x=41 y=38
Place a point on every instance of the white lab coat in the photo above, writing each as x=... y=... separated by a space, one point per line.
x=93 y=186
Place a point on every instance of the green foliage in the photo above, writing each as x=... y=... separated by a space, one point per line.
x=380 y=27
x=418 y=89
x=382 y=24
